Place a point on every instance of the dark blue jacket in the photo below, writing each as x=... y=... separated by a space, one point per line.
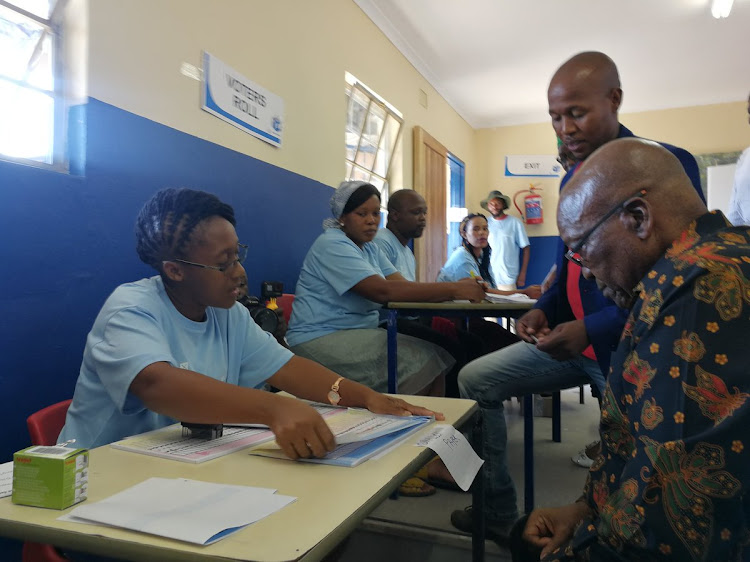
x=603 y=319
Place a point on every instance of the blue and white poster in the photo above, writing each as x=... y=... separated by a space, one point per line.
x=230 y=96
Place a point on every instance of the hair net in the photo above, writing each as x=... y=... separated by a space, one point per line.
x=339 y=199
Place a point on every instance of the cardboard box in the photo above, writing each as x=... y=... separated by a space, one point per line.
x=542 y=406
x=53 y=477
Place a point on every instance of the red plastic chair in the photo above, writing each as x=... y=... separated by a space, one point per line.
x=285 y=302
x=44 y=427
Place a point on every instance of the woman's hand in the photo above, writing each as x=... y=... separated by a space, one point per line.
x=533 y=291
x=300 y=430
x=379 y=403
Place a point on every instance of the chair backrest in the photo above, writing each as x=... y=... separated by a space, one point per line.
x=285 y=302
x=46 y=424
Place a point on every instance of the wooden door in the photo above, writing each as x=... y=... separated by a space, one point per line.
x=430 y=180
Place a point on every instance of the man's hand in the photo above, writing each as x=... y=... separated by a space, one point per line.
x=469 y=289
x=566 y=341
x=300 y=431
x=533 y=323
x=549 y=528
x=521 y=281
x=379 y=403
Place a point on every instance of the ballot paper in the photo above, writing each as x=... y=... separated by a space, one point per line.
x=455 y=451
x=187 y=510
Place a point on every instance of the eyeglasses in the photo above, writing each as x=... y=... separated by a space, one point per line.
x=572 y=253
x=241 y=255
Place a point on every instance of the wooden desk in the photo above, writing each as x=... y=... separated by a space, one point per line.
x=331 y=502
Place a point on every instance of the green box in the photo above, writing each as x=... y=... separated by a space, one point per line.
x=53 y=477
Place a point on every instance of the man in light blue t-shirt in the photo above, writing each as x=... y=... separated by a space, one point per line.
x=507 y=237
x=407 y=219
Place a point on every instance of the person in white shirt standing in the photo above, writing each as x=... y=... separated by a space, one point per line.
x=507 y=237
x=739 y=203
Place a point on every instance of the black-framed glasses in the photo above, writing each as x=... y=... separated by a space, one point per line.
x=241 y=255
x=572 y=253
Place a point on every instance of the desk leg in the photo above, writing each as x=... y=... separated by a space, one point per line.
x=556 y=422
x=528 y=452
x=477 y=493
x=392 y=352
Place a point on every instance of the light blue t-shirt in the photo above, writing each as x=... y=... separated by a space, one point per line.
x=460 y=265
x=323 y=303
x=137 y=326
x=507 y=238
x=399 y=255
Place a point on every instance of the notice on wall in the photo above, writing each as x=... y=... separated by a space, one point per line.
x=535 y=165
x=230 y=96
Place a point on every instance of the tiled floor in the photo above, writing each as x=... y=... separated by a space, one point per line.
x=419 y=529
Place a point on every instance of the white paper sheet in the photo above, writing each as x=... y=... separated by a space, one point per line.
x=6 y=479
x=515 y=297
x=455 y=451
x=186 y=510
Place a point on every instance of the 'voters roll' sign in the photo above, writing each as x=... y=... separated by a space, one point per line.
x=238 y=100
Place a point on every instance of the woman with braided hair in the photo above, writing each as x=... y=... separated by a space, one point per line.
x=177 y=346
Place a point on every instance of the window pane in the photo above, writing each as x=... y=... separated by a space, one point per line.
x=360 y=174
x=358 y=103
x=27 y=118
x=366 y=154
x=41 y=8
x=348 y=173
x=374 y=125
x=18 y=38
x=40 y=72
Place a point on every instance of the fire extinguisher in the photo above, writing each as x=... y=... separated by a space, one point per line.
x=532 y=203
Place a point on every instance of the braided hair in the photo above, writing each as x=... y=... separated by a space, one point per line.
x=483 y=262
x=165 y=225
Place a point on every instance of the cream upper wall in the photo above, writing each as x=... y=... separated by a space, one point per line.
x=298 y=50
x=701 y=130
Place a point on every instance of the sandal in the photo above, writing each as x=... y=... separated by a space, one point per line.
x=415 y=488
x=423 y=473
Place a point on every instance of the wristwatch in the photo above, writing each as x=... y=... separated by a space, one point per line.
x=333 y=395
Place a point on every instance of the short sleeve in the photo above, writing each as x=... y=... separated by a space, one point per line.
x=343 y=265
x=132 y=340
x=262 y=357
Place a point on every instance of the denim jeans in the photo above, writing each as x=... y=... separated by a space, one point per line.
x=516 y=370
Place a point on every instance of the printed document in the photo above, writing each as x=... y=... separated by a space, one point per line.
x=187 y=510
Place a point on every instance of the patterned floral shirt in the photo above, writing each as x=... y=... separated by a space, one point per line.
x=672 y=479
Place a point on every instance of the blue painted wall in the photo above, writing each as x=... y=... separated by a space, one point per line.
x=67 y=242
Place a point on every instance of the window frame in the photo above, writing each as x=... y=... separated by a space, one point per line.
x=352 y=85
x=54 y=27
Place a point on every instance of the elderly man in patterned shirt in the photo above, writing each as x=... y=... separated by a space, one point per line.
x=672 y=478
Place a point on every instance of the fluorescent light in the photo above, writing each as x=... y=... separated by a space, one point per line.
x=721 y=8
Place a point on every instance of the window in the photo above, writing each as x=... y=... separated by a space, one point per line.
x=372 y=131
x=31 y=103
x=456 y=202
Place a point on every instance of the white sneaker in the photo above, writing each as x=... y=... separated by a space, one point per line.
x=585 y=457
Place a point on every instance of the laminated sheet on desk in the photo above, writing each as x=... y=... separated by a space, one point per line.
x=186 y=510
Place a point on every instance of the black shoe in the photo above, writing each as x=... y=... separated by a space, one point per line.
x=498 y=531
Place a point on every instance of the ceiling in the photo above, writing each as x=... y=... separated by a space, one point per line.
x=492 y=59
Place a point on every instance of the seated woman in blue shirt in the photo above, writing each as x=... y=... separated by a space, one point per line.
x=472 y=258
x=177 y=346
x=344 y=281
